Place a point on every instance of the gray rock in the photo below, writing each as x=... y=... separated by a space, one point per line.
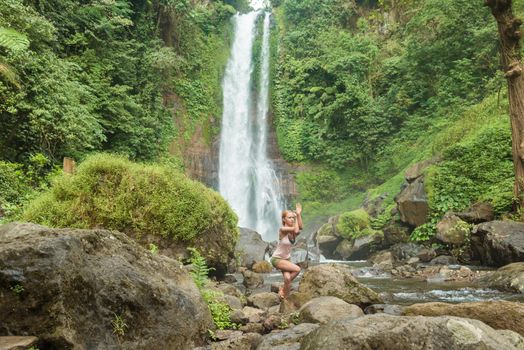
x=95 y=289
x=509 y=278
x=250 y=247
x=412 y=203
x=325 y=309
x=479 y=212
x=497 y=314
x=417 y=169
x=389 y=309
x=451 y=229
x=238 y=316
x=444 y=260
x=327 y=239
x=288 y=339
x=263 y=300
x=498 y=243
x=404 y=251
x=246 y=341
x=253 y=314
x=336 y=280
x=383 y=331
x=252 y=279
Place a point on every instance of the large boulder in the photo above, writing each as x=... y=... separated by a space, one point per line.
x=263 y=300
x=496 y=314
x=250 y=247
x=394 y=233
x=382 y=331
x=153 y=203
x=95 y=289
x=412 y=203
x=327 y=238
x=498 y=243
x=451 y=229
x=336 y=280
x=477 y=213
x=509 y=278
x=404 y=251
x=325 y=309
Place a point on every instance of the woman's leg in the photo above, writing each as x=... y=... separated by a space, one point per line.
x=289 y=272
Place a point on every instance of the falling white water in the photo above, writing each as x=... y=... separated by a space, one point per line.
x=246 y=177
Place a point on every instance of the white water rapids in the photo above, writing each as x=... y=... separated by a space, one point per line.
x=247 y=179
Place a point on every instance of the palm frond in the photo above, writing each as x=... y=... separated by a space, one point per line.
x=12 y=39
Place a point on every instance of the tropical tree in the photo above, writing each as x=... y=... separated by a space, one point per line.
x=510 y=35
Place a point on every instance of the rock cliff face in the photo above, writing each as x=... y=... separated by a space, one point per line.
x=201 y=162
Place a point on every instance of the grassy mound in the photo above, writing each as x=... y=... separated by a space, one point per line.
x=114 y=193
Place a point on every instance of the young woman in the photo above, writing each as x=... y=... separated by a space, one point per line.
x=291 y=226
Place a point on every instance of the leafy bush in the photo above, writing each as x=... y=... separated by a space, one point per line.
x=112 y=192
x=321 y=185
x=353 y=224
x=13 y=183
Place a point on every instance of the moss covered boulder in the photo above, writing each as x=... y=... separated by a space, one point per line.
x=153 y=203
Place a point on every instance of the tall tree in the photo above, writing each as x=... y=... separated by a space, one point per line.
x=510 y=35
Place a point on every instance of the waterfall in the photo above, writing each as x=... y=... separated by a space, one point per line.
x=246 y=176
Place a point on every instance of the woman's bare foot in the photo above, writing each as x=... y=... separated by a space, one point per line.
x=281 y=293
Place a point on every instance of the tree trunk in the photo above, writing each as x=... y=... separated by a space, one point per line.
x=510 y=34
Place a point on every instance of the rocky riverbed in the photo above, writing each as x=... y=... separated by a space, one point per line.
x=98 y=289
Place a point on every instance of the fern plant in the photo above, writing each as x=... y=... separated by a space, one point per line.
x=200 y=270
x=220 y=311
x=13 y=41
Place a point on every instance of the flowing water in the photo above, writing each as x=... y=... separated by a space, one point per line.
x=246 y=176
x=397 y=291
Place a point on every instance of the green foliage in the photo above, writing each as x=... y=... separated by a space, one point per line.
x=220 y=311
x=19 y=183
x=13 y=40
x=354 y=224
x=17 y=289
x=321 y=185
x=425 y=231
x=356 y=87
x=97 y=74
x=110 y=191
x=480 y=168
x=153 y=248
x=13 y=183
x=477 y=166
x=119 y=325
x=200 y=271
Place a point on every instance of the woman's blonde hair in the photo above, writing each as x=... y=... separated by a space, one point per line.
x=285 y=212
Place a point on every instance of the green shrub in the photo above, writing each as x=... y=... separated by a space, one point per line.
x=13 y=183
x=220 y=311
x=112 y=192
x=321 y=186
x=351 y=224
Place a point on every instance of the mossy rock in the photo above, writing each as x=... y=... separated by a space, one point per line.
x=352 y=223
x=145 y=201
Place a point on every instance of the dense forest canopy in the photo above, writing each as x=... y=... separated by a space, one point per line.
x=360 y=90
